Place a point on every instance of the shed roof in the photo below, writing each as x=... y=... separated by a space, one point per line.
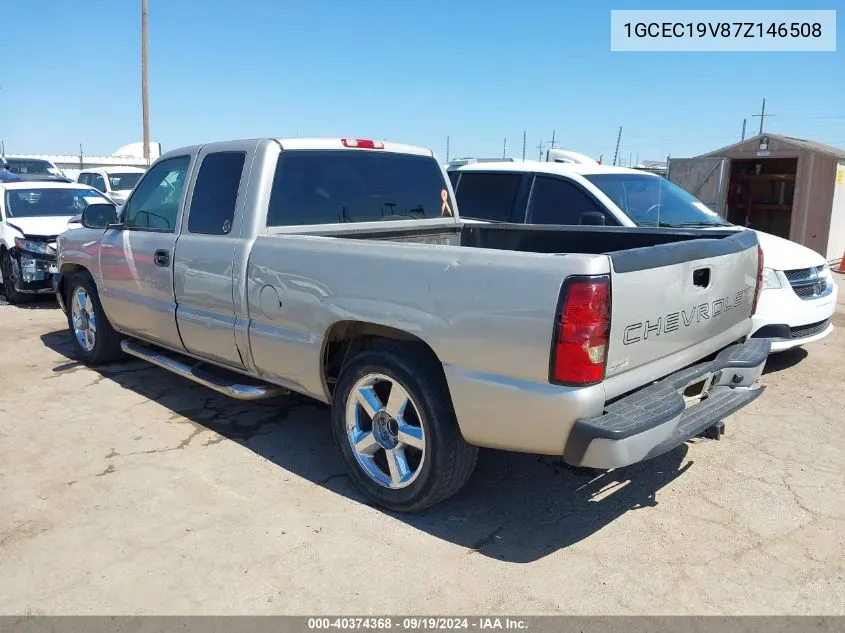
x=800 y=143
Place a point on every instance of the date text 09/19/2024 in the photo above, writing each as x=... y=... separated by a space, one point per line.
x=417 y=623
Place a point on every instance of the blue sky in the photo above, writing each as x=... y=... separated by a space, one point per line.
x=414 y=72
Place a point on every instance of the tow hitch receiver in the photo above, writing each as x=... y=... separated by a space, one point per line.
x=714 y=432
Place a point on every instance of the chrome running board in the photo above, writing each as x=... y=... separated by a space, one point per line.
x=199 y=373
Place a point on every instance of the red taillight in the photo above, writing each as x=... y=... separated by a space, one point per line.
x=579 y=352
x=362 y=143
x=759 y=286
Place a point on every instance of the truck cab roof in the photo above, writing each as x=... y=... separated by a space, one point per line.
x=314 y=143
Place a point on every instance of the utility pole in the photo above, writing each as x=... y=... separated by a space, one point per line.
x=447 y=149
x=541 y=147
x=743 y=129
x=618 y=140
x=81 y=162
x=523 y=145
x=145 y=106
x=762 y=116
x=505 y=148
x=553 y=139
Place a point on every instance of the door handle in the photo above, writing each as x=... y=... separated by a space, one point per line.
x=161 y=258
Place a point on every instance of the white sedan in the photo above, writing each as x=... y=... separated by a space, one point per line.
x=32 y=214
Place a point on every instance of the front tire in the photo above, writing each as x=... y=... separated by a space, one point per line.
x=13 y=295
x=393 y=419
x=92 y=334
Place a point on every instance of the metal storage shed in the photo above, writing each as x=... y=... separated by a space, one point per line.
x=786 y=186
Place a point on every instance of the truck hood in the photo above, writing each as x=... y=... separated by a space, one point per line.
x=50 y=225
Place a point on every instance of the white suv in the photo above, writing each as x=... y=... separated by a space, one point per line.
x=799 y=294
x=115 y=182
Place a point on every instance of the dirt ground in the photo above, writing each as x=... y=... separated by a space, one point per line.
x=127 y=490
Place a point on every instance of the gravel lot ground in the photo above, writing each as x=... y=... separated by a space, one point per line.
x=127 y=490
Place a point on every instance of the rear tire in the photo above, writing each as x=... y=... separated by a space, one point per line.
x=393 y=419
x=93 y=336
x=12 y=294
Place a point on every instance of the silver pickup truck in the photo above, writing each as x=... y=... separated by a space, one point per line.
x=340 y=269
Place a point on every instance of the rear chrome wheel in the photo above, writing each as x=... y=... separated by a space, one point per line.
x=393 y=420
x=385 y=431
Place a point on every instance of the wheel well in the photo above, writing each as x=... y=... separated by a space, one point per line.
x=345 y=338
x=68 y=271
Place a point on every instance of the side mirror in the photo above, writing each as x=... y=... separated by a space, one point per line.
x=592 y=218
x=99 y=216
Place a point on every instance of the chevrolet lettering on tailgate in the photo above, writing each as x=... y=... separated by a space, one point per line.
x=674 y=321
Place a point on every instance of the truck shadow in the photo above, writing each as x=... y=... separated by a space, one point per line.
x=784 y=360
x=45 y=302
x=516 y=508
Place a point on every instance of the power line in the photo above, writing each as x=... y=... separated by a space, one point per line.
x=762 y=116
x=618 y=140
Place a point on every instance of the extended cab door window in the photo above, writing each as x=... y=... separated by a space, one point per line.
x=215 y=193
x=488 y=196
x=561 y=201
x=154 y=205
x=83 y=178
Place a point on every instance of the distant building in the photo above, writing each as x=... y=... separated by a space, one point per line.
x=72 y=164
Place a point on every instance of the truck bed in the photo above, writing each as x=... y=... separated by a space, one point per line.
x=538 y=238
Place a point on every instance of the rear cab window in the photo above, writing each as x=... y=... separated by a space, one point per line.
x=341 y=186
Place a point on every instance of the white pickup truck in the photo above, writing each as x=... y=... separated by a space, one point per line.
x=799 y=294
x=341 y=269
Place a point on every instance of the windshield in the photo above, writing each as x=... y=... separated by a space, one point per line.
x=32 y=203
x=654 y=201
x=123 y=182
x=28 y=166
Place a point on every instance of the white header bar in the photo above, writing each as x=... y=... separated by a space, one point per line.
x=722 y=30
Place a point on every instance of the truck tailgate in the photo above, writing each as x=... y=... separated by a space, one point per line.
x=674 y=304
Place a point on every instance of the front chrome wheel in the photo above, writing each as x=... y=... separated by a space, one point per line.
x=385 y=431
x=84 y=319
